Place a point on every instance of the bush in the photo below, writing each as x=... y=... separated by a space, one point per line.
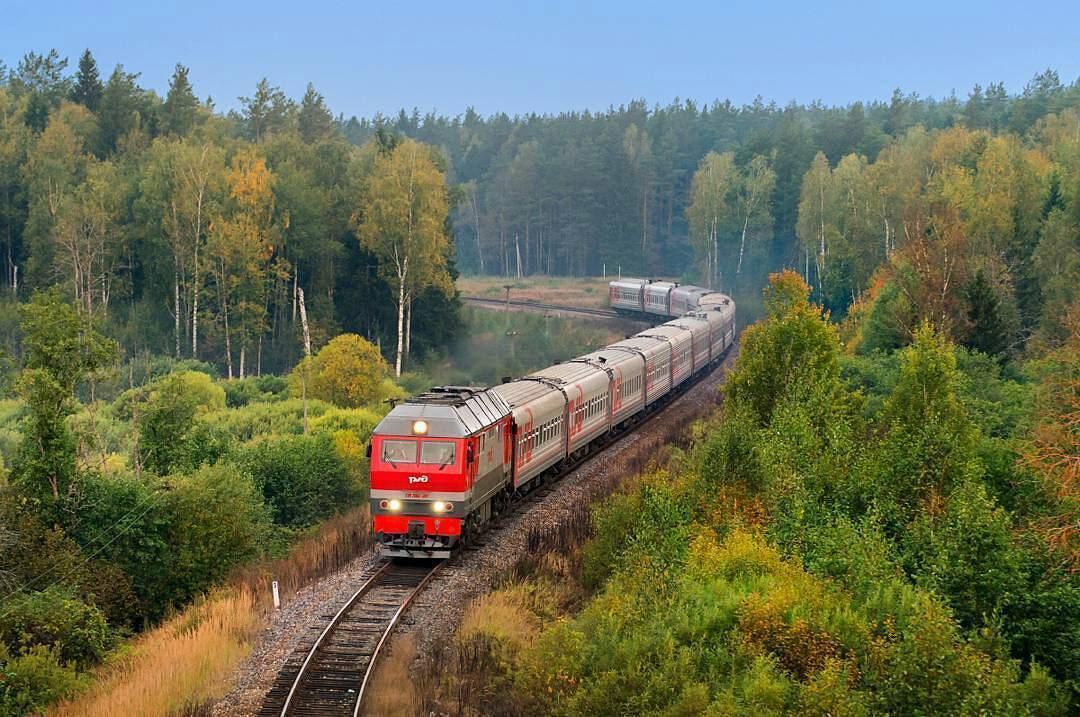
x=242 y=391
x=75 y=632
x=264 y=420
x=217 y=521
x=302 y=478
x=967 y=555
x=347 y=372
x=32 y=681
x=167 y=436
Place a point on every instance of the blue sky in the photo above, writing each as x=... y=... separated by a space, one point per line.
x=553 y=56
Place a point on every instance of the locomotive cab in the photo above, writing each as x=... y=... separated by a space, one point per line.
x=433 y=468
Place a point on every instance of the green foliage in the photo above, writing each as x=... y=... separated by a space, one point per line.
x=347 y=372
x=216 y=521
x=76 y=633
x=987 y=330
x=254 y=389
x=61 y=349
x=169 y=437
x=967 y=555
x=302 y=478
x=32 y=681
x=883 y=329
x=929 y=447
x=792 y=344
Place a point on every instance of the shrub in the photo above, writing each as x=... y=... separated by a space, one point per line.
x=217 y=521
x=795 y=342
x=242 y=391
x=264 y=420
x=167 y=436
x=347 y=372
x=32 y=681
x=967 y=555
x=74 y=631
x=303 y=479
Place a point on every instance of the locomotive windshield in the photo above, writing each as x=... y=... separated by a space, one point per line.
x=399 y=451
x=439 y=453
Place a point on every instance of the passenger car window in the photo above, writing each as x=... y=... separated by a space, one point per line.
x=437 y=452
x=399 y=451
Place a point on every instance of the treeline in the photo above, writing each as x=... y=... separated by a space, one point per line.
x=978 y=233
x=573 y=192
x=855 y=535
x=199 y=235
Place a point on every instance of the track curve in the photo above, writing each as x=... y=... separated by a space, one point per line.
x=585 y=311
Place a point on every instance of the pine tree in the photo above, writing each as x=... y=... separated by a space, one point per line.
x=988 y=332
x=314 y=118
x=88 y=85
x=181 y=106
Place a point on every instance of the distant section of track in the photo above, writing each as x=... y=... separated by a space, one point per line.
x=536 y=306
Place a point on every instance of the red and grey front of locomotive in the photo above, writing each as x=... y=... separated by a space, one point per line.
x=431 y=464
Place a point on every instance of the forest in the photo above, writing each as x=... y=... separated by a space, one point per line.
x=203 y=314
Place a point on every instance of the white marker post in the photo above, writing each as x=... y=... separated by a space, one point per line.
x=277 y=596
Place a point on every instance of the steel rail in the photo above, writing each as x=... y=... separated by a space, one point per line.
x=326 y=632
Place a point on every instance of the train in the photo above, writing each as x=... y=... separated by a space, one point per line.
x=445 y=462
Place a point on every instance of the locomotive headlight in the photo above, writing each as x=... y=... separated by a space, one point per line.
x=395 y=504
x=419 y=427
x=441 y=507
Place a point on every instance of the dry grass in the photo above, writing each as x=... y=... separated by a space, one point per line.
x=181 y=667
x=393 y=691
x=589 y=292
x=337 y=542
x=177 y=667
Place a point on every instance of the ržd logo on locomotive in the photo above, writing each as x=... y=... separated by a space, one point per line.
x=417 y=479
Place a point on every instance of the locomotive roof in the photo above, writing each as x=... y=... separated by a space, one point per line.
x=449 y=411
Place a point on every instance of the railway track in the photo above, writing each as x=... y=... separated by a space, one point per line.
x=601 y=313
x=330 y=678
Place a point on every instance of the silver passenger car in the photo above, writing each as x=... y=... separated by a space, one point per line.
x=626 y=294
x=658 y=298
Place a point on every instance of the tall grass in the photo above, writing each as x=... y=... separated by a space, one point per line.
x=337 y=542
x=184 y=665
x=176 y=667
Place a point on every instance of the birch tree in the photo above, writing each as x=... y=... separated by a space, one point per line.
x=810 y=227
x=403 y=222
x=711 y=208
x=182 y=184
x=241 y=247
x=87 y=235
x=752 y=201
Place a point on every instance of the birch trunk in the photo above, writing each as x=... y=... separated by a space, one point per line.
x=195 y=307
x=307 y=355
x=408 y=324
x=403 y=273
x=742 y=242
x=476 y=225
x=517 y=254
